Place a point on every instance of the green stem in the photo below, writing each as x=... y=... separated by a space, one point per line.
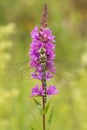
x=44 y=123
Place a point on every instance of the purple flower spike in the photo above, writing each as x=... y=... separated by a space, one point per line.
x=42 y=54
x=51 y=90
x=42 y=38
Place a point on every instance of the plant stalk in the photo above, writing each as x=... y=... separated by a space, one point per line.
x=44 y=121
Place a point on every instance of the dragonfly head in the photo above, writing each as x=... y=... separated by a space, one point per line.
x=42 y=50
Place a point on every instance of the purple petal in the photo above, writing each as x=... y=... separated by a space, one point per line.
x=35 y=33
x=52 y=90
x=35 y=91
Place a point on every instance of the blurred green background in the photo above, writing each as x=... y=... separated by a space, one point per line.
x=68 y=20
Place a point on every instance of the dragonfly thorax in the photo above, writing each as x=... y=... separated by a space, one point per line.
x=43 y=57
x=42 y=50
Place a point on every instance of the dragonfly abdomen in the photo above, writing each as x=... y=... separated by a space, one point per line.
x=43 y=60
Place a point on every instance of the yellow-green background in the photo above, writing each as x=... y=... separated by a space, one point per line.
x=68 y=21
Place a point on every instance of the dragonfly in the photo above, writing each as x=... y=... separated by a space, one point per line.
x=63 y=68
x=65 y=71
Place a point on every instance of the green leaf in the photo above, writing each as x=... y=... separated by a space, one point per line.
x=32 y=128
x=39 y=106
x=46 y=108
x=50 y=118
x=40 y=110
x=36 y=102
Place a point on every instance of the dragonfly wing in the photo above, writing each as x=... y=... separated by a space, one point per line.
x=66 y=70
x=18 y=69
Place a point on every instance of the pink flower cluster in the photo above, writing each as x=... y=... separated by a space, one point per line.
x=51 y=90
x=42 y=38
